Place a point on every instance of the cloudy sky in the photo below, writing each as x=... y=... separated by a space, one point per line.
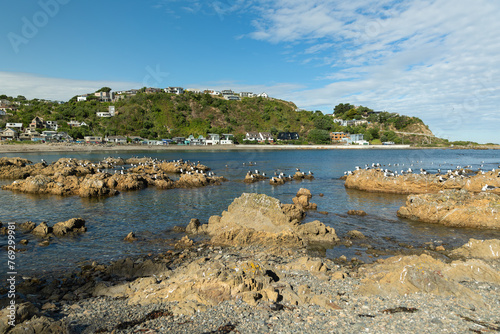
x=433 y=59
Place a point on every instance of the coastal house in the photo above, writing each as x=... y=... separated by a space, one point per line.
x=227 y=139
x=3 y=112
x=92 y=140
x=288 y=136
x=259 y=136
x=266 y=136
x=37 y=123
x=212 y=139
x=227 y=92
x=49 y=135
x=179 y=140
x=9 y=134
x=263 y=95
x=355 y=138
x=338 y=136
x=115 y=139
x=232 y=97
x=81 y=98
x=212 y=92
x=247 y=94
x=252 y=136
x=200 y=140
x=136 y=139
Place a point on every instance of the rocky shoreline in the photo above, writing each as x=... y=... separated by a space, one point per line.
x=84 y=178
x=259 y=272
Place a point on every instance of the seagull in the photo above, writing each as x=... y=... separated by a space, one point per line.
x=488 y=187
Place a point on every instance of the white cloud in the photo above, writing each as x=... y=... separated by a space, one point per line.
x=31 y=86
x=434 y=59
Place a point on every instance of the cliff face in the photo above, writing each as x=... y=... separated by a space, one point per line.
x=457 y=208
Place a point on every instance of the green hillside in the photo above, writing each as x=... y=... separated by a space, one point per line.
x=163 y=115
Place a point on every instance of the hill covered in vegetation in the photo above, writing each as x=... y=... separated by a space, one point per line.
x=162 y=115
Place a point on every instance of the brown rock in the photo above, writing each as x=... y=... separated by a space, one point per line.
x=193 y=226
x=454 y=208
x=130 y=237
x=42 y=230
x=480 y=249
x=356 y=212
x=74 y=225
x=354 y=234
x=403 y=275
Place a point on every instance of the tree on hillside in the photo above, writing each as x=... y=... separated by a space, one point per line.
x=104 y=89
x=318 y=136
x=342 y=108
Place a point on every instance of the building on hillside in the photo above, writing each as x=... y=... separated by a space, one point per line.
x=263 y=95
x=136 y=139
x=14 y=126
x=288 y=136
x=151 y=90
x=194 y=90
x=75 y=124
x=105 y=96
x=52 y=125
x=37 y=123
x=212 y=92
x=232 y=97
x=247 y=94
x=225 y=92
x=338 y=136
x=174 y=90
x=81 y=98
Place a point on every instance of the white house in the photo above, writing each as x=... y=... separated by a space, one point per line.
x=212 y=139
x=17 y=126
x=116 y=139
x=174 y=90
x=227 y=139
x=259 y=136
x=247 y=94
x=81 y=98
x=263 y=94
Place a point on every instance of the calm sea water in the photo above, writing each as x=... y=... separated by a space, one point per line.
x=151 y=214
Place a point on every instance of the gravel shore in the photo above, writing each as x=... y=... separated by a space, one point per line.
x=75 y=311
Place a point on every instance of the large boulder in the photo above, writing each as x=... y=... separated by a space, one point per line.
x=403 y=275
x=454 y=208
x=74 y=225
x=261 y=219
x=302 y=198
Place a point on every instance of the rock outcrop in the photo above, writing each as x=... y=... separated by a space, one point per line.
x=479 y=249
x=402 y=275
x=263 y=220
x=457 y=208
x=376 y=180
x=302 y=198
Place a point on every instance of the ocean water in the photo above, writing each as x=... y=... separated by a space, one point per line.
x=151 y=214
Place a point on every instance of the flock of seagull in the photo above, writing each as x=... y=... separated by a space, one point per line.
x=458 y=172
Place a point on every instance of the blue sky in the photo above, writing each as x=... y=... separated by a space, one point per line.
x=433 y=59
